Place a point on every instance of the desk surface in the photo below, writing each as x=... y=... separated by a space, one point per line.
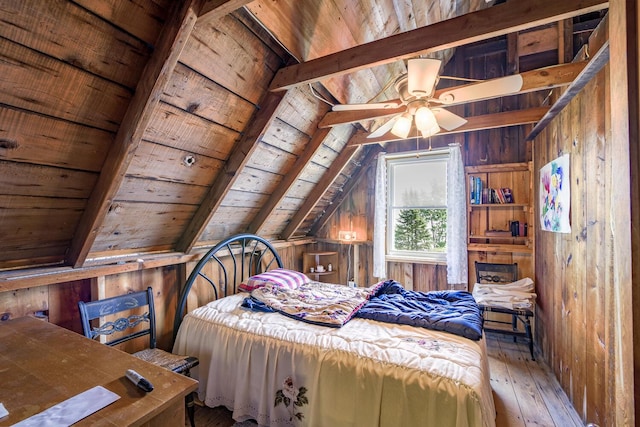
x=42 y=364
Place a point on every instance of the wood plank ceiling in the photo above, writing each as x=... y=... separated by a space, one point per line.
x=161 y=126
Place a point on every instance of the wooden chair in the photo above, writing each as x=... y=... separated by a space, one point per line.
x=135 y=325
x=488 y=273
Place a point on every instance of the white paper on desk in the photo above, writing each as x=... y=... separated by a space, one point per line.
x=72 y=410
x=3 y=411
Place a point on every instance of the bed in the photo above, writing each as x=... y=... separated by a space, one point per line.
x=280 y=371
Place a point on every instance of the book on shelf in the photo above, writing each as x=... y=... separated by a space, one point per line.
x=486 y=195
x=479 y=194
x=478 y=191
x=518 y=228
x=495 y=196
x=507 y=195
x=472 y=190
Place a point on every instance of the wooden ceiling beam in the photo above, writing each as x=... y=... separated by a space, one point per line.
x=289 y=179
x=153 y=80
x=246 y=145
x=334 y=118
x=215 y=9
x=476 y=26
x=319 y=189
x=596 y=63
x=372 y=155
x=474 y=123
x=551 y=77
x=542 y=78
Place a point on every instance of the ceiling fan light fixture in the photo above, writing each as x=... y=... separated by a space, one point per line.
x=427 y=132
x=422 y=76
x=425 y=119
x=402 y=126
x=416 y=89
x=426 y=122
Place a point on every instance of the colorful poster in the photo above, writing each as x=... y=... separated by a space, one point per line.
x=555 y=196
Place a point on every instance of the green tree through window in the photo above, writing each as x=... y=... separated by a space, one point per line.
x=421 y=230
x=411 y=231
x=436 y=220
x=417 y=205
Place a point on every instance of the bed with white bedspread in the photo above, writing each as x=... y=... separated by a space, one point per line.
x=284 y=372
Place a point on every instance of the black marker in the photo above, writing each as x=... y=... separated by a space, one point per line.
x=139 y=380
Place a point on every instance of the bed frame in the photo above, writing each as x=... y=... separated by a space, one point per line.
x=237 y=258
x=298 y=364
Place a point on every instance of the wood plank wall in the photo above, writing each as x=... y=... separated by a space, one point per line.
x=575 y=320
x=624 y=81
x=58 y=303
x=571 y=319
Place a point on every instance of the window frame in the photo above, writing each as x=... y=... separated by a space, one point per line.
x=407 y=158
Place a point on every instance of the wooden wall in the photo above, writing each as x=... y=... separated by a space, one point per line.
x=577 y=320
x=58 y=302
x=54 y=303
x=624 y=83
x=571 y=273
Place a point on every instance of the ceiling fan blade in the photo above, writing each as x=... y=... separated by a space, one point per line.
x=483 y=90
x=422 y=76
x=384 y=128
x=447 y=120
x=371 y=106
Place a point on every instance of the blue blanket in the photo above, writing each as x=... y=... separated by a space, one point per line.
x=450 y=311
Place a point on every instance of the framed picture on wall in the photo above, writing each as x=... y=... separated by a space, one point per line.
x=555 y=196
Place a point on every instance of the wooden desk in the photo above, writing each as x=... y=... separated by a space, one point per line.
x=42 y=364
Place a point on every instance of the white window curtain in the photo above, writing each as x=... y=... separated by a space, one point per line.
x=380 y=219
x=456 y=219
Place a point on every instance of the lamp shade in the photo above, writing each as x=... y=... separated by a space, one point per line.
x=402 y=126
x=423 y=75
x=425 y=119
x=430 y=131
x=426 y=122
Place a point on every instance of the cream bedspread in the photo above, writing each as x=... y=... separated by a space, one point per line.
x=283 y=372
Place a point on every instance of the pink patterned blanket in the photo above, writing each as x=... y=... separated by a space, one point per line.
x=315 y=302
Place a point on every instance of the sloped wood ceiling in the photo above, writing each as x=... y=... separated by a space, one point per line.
x=154 y=126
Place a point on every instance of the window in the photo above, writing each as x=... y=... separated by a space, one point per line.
x=417 y=205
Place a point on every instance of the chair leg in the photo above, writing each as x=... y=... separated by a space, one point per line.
x=190 y=409
x=527 y=328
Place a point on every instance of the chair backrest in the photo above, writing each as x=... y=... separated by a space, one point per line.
x=139 y=323
x=496 y=273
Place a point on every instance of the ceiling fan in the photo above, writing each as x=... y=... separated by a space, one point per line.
x=416 y=89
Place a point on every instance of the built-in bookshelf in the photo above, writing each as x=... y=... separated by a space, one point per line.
x=500 y=208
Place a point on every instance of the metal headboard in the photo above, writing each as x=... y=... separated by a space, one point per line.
x=248 y=255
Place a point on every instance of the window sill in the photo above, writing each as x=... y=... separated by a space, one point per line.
x=415 y=260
